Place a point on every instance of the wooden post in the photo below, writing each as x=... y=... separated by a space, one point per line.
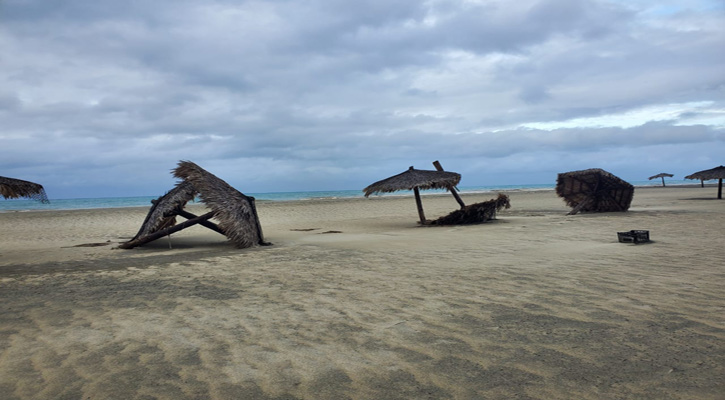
x=719 y=189
x=420 y=205
x=450 y=188
x=663 y=181
x=259 y=224
x=165 y=232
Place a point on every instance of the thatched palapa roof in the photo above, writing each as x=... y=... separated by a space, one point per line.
x=235 y=212
x=412 y=178
x=594 y=190
x=661 y=175
x=163 y=211
x=708 y=174
x=11 y=188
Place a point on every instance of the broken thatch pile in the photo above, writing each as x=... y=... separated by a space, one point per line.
x=11 y=188
x=475 y=213
x=594 y=190
x=236 y=213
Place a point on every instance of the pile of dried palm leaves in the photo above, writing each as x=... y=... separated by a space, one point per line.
x=475 y=213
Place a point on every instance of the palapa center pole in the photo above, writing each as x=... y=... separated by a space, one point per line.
x=663 y=181
x=419 y=203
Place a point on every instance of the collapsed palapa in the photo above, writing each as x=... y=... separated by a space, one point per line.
x=594 y=190
x=236 y=213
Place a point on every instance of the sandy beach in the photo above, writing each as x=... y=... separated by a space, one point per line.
x=355 y=300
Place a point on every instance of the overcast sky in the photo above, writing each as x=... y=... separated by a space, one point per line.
x=103 y=98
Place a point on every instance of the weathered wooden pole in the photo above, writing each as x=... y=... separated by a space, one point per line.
x=419 y=203
x=719 y=189
x=663 y=181
x=450 y=188
x=259 y=224
x=165 y=232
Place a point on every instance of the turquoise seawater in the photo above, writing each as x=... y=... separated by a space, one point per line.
x=145 y=201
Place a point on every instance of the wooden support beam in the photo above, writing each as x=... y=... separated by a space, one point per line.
x=614 y=200
x=166 y=232
x=450 y=188
x=579 y=206
x=205 y=223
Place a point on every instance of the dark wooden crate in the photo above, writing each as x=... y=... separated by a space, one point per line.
x=633 y=236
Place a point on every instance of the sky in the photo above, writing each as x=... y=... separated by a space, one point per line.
x=103 y=98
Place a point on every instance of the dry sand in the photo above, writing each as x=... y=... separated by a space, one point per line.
x=535 y=305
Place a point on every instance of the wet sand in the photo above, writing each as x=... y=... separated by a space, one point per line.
x=533 y=305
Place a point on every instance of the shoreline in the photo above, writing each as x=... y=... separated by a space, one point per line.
x=386 y=195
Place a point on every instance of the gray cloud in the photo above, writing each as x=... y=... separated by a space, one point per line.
x=105 y=98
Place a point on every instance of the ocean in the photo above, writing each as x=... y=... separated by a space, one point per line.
x=145 y=201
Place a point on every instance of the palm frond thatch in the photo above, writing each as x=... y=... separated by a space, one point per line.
x=412 y=178
x=475 y=213
x=708 y=174
x=11 y=188
x=661 y=175
x=163 y=211
x=594 y=190
x=235 y=212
